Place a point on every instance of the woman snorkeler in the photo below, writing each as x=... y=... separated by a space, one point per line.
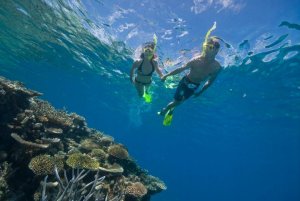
x=144 y=69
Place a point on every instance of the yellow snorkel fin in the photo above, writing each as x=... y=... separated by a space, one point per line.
x=147 y=97
x=168 y=118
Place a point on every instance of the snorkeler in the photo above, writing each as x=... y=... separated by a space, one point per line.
x=203 y=67
x=144 y=68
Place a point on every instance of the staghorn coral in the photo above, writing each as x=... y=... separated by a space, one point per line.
x=136 y=189
x=82 y=161
x=75 y=189
x=44 y=164
x=118 y=151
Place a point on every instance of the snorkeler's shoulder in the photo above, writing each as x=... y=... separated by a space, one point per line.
x=195 y=61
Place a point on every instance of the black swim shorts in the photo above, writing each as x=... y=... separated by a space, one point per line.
x=185 y=89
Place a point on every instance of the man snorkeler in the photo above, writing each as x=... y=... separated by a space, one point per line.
x=201 y=68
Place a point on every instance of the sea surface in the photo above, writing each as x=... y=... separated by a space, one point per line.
x=240 y=140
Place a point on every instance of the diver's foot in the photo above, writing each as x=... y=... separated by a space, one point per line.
x=162 y=112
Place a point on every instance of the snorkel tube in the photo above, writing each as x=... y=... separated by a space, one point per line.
x=154 y=41
x=212 y=37
x=209 y=32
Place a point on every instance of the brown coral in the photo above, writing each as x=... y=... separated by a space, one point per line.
x=118 y=151
x=99 y=154
x=89 y=144
x=136 y=189
x=44 y=164
x=115 y=168
x=83 y=161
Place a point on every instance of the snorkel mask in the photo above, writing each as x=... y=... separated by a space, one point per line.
x=150 y=46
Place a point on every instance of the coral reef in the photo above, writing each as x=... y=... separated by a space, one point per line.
x=38 y=140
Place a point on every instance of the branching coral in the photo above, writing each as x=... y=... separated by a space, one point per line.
x=75 y=189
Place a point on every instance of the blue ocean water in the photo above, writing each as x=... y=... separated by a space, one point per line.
x=239 y=141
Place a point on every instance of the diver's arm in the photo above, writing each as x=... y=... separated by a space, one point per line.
x=178 y=70
x=134 y=66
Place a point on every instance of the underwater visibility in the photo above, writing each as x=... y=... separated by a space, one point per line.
x=149 y=100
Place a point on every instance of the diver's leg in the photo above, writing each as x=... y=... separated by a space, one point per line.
x=178 y=99
x=170 y=107
x=147 y=88
x=140 y=89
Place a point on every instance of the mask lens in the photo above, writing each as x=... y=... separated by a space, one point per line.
x=212 y=46
x=150 y=49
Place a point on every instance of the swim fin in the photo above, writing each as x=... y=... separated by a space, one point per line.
x=147 y=97
x=168 y=118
